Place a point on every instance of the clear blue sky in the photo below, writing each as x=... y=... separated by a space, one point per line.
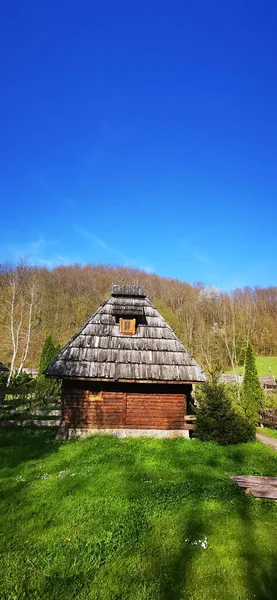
x=142 y=134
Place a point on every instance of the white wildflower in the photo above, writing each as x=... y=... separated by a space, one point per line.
x=62 y=473
x=44 y=476
x=202 y=543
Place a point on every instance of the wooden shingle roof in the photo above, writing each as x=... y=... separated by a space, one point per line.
x=100 y=351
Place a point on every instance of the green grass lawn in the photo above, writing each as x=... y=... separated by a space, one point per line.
x=136 y=519
x=262 y=363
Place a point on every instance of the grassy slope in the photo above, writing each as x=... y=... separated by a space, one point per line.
x=113 y=519
x=266 y=431
x=263 y=363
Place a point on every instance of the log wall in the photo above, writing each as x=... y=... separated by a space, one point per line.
x=154 y=408
x=158 y=411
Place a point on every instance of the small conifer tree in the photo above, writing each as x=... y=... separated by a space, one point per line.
x=47 y=390
x=48 y=353
x=216 y=420
x=252 y=393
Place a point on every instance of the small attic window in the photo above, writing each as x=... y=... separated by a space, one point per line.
x=127 y=326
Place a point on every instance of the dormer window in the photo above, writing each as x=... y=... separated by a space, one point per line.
x=127 y=326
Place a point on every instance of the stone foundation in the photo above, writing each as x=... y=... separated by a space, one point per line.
x=123 y=433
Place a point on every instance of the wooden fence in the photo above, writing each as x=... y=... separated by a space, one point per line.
x=29 y=418
x=268 y=418
x=51 y=418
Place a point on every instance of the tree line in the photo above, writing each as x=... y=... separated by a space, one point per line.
x=215 y=326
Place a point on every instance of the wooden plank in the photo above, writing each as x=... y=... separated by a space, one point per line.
x=254 y=480
x=271 y=495
x=259 y=487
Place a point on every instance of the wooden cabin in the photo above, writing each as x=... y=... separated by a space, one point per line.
x=125 y=371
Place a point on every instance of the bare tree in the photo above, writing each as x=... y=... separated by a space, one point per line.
x=31 y=306
x=19 y=302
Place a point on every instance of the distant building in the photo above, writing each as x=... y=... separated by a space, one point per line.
x=3 y=368
x=267 y=382
x=32 y=372
x=125 y=371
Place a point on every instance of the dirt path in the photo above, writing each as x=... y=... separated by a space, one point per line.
x=265 y=439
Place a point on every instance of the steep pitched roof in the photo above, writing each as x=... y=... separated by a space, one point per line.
x=100 y=351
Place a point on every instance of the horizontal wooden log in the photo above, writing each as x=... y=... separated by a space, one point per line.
x=260 y=487
x=159 y=402
x=158 y=405
x=94 y=406
x=91 y=424
x=153 y=407
x=164 y=426
x=155 y=396
x=152 y=423
x=141 y=423
x=154 y=415
x=151 y=418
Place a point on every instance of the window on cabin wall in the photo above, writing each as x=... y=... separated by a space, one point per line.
x=127 y=326
x=95 y=396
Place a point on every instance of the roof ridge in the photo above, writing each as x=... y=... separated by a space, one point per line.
x=128 y=290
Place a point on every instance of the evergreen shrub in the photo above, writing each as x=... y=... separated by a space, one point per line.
x=216 y=419
x=47 y=391
x=252 y=393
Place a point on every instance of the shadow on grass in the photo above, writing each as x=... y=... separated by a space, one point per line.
x=261 y=578
x=199 y=487
x=146 y=511
x=260 y=574
x=18 y=445
x=172 y=570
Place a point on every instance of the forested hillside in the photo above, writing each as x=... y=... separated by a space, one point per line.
x=214 y=326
